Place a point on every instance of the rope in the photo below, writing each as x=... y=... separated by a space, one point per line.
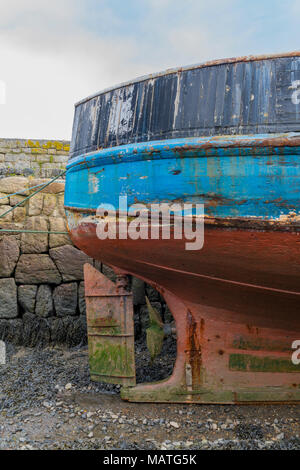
x=41 y=187
x=22 y=191
x=33 y=231
x=31 y=195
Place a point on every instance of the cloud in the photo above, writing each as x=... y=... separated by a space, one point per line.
x=49 y=61
x=54 y=53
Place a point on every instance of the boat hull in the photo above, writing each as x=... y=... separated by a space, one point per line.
x=225 y=135
x=236 y=305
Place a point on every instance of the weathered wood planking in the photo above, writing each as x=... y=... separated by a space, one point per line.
x=233 y=97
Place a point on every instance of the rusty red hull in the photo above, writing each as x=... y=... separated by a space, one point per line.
x=236 y=305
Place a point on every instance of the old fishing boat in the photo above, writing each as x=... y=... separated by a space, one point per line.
x=225 y=134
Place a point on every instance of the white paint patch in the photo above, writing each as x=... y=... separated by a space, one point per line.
x=121 y=112
x=296 y=93
x=237 y=100
x=93 y=120
x=2 y=353
x=177 y=98
x=93 y=184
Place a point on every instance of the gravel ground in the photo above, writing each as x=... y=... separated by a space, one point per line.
x=48 y=402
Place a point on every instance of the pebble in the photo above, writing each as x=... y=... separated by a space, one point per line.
x=174 y=424
x=63 y=422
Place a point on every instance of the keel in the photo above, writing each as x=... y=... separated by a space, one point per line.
x=223 y=362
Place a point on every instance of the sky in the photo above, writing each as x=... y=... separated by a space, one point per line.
x=56 y=52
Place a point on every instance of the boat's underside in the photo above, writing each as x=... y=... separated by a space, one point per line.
x=234 y=264
x=236 y=304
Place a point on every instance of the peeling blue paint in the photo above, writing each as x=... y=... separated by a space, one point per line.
x=247 y=180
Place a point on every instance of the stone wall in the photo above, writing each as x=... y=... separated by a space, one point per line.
x=40 y=158
x=41 y=275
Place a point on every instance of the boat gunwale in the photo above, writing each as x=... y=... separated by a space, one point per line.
x=174 y=70
x=154 y=147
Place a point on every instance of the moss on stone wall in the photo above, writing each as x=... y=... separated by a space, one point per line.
x=39 y=158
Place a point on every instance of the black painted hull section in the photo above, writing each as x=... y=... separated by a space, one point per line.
x=233 y=97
